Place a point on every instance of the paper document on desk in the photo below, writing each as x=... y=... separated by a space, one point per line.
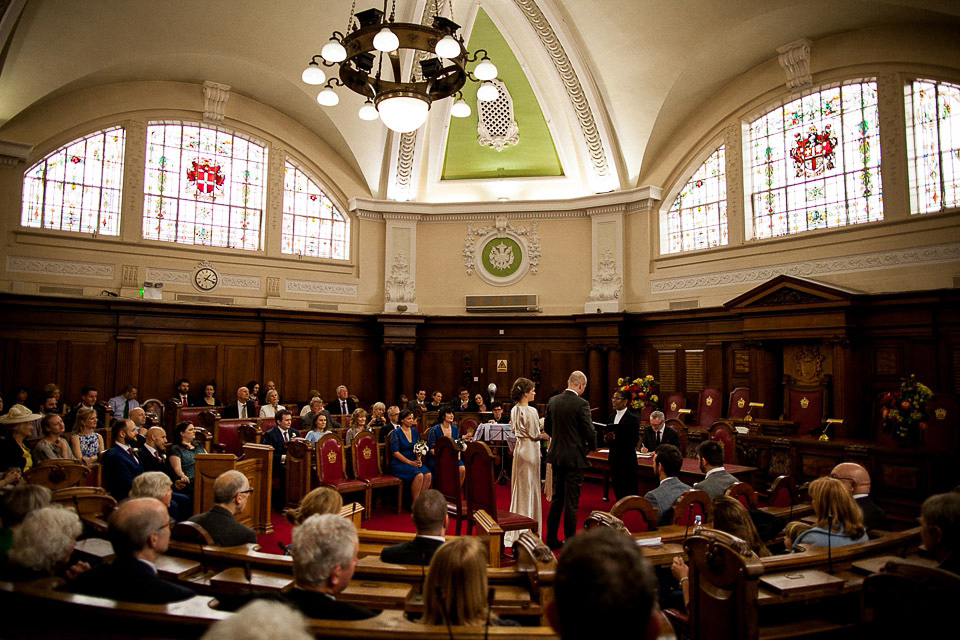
x=648 y=542
x=742 y=429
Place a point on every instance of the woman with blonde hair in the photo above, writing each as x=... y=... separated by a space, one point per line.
x=272 y=405
x=358 y=422
x=455 y=591
x=86 y=443
x=839 y=519
x=320 y=501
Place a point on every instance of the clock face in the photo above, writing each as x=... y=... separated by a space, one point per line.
x=206 y=278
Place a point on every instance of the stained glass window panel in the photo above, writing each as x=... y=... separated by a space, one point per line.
x=698 y=217
x=815 y=162
x=78 y=186
x=312 y=225
x=933 y=140
x=203 y=186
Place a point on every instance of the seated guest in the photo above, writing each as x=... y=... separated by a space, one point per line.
x=444 y=427
x=657 y=433
x=122 y=404
x=667 y=461
x=86 y=443
x=183 y=454
x=121 y=464
x=856 y=479
x=730 y=516
x=42 y=546
x=419 y=402
x=209 y=398
x=393 y=422
x=243 y=407
x=316 y=407
x=404 y=463
x=140 y=532
x=940 y=529
x=183 y=393
x=272 y=405
x=308 y=407
x=258 y=620
x=18 y=426
x=499 y=417
x=318 y=428
x=604 y=582
x=52 y=390
x=343 y=405
x=278 y=437
x=50 y=405
x=320 y=501
x=436 y=399
x=15 y=504
x=839 y=521
x=231 y=490
x=430 y=520
x=88 y=400
x=465 y=403
x=358 y=423
x=52 y=446
x=254 y=388
x=377 y=412
x=455 y=591
x=325 y=552
x=480 y=402
x=157 y=484
x=139 y=417
x=717 y=480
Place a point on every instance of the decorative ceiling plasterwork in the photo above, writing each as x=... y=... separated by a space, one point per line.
x=571 y=83
x=496 y=126
x=400 y=287
x=525 y=236
x=607 y=284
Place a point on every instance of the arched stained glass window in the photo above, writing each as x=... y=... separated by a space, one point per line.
x=312 y=224
x=203 y=186
x=698 y=217
x=815 y=162
x=933 y=140
x=78 y=186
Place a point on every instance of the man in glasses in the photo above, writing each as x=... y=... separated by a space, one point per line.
x=857 y=481
x=231 y=491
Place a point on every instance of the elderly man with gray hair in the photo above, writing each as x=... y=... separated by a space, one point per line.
x=656 y=434
x=231 y=490
x=325 y=551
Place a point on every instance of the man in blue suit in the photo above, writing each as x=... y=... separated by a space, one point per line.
x=666 y=463
x=120 y=463
x=278 y=437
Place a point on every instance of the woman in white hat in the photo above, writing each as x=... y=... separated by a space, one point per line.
x=13 y=449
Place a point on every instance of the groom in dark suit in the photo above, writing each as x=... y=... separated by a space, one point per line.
x=570 y=428
x=623 y=436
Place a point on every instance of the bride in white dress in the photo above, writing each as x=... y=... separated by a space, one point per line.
x=525 y=488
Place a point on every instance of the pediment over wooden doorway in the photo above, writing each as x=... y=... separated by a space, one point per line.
x=790 y=291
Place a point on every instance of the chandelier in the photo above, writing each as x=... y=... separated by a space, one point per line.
x=370 y=57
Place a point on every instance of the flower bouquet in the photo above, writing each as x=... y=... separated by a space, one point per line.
x=460 y=444
x=643 y=391
x=420 y=449
x=904 y=412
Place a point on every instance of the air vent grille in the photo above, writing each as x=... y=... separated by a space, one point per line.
x=502 y=303
x=190 y=297
x=67 y=291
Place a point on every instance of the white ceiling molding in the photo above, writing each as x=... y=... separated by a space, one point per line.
x=795 y=61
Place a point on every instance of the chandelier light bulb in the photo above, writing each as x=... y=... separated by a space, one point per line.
x=386 y=41
x=486 y=70
x=460 y=109
x=403 y=113
x=447 y=47
x=368 y=112
x=333 y=51
x=313 y=74
x=328 y=98
x=487 y=92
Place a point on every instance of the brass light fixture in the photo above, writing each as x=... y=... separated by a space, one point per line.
x=374 y=40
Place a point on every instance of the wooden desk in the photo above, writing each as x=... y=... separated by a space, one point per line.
x=689 y=473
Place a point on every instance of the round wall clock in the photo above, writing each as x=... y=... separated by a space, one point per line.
x=206 y=278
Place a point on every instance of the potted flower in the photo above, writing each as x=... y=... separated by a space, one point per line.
x=643 y=391
x=904 y=412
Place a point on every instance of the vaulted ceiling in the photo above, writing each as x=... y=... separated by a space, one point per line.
x=598 y=86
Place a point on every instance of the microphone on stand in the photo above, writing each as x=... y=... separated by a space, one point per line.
x=829 y=533
x=486 y=627
x=443 y=610
x=248 y=575
x=689 y=514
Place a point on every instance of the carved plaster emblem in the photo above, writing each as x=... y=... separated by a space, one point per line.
x=607 y=283
x=808 y=364
x=795 y=61
x=24 y=264
x=400 y=287
x=522 y=240
x=130 y=276
x=215 y=96
x=496 y=126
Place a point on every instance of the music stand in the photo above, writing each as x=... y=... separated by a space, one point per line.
x=497 y=435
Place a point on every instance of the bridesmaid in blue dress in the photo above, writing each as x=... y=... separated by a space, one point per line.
x=444 y=427
x=403 y=462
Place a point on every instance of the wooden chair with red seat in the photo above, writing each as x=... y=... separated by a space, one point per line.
x=904 y=594
x=58 y=474
x=744 y=494
x=366 y=466
x=446 y=478
x=724 y=433
x=681 y=431
x=299 y=470
x=636 y=513
x=93 y=504
x=739 y=403
x=671 y=408
x=806 y=404
x=645 y=413
x=709 y=407
x=691 y=504
x=332 y=470
x=783 y=492
x=481 y=492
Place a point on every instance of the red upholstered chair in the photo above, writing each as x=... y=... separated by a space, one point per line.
x=681 y=430
x=446 y=478
x=941 y=433
x=709 y=407
x=299 y=468
x=726 y=435
x=783 y=492
x=671 y=408
x=267 y=423
x=636 y=512
x=468 y=425
x=366 y=465
x=691 y=504
x=332 y=471
x=225 y=434
x=481 y=492
x=806 y=404
x=744 y=494
x=645 y=413
x=739 y=403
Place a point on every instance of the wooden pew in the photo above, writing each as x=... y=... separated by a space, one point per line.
x=256 y=465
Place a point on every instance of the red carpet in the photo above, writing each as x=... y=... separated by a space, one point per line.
x=385 y=518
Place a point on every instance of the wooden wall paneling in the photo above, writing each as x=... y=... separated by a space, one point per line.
x=158 y=370
x=36 y=364
x=272 y=364
x=242 y=364
x=364 y=375
x=516 y=366
x=329 y=372
x=127 y=370
x=766 y=379
x=694 y=374
x=201 y=366
x=667 y=371
x=558 y=364
x=439 y=371
x=295 y=380
x=87 y=365
x=716 y=373
x=408 y=372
